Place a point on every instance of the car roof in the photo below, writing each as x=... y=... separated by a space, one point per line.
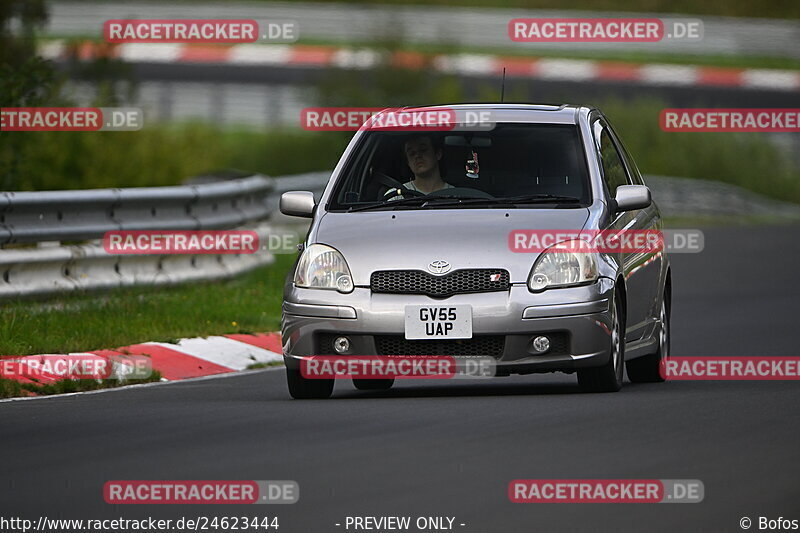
x=533 y=113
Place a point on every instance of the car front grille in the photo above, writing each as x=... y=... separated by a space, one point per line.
x=456 y=282
x=485 y=345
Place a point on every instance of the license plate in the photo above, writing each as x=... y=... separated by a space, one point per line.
x=438 y=322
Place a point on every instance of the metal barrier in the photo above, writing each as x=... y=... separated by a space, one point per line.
x=80 y=215
x=45 y=220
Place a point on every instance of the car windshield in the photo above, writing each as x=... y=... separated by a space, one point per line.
x=507 y=166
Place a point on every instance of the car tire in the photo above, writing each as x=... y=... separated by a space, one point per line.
x=373 y=384
x=608 y=378
x=647 y=369
x=307 y=389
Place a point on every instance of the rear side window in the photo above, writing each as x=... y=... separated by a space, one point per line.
x=613 y=168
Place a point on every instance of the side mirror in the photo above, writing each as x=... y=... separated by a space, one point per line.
x=297 y=204
x=631 y=197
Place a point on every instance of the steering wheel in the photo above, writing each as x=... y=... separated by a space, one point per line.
x=401 y=191
x=395 y=187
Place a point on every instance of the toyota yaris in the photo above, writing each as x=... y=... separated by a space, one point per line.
x=463 y=239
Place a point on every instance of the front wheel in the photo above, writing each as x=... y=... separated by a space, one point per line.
x=305 y=389
x=647 y=369
x=608 y=378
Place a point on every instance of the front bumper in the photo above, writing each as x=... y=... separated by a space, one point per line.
x=578 y=316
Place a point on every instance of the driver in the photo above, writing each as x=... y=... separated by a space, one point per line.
x=422 y=156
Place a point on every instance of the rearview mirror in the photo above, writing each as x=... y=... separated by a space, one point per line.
x=631 y=197
x=297 y=204
x=461 y=140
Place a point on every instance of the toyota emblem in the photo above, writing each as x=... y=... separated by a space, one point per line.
x=439 y=267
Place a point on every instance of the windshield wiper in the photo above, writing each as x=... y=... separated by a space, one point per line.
x=421 y=201
x=448 y=200
x=523 y=199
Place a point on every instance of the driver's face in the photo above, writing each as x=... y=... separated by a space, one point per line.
x=421 y=156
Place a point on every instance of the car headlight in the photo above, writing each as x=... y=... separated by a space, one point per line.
x=559 y=266
x=323 y=267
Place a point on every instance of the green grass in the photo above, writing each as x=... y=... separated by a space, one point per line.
x=610 y=54
x=81 y=322
x=748 y=160
x=90 y=321
x=10 y=388
x=157 y=155
x=732 y=8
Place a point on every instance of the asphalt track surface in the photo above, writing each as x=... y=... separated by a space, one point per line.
x=450 y=449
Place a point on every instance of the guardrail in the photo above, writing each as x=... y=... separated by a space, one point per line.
x=80 y=215
x=38 y=233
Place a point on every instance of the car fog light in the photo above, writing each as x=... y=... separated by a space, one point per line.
x=541 y=344
x=341 y=345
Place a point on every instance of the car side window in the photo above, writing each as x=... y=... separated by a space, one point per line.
x=613 y=168
x=633 y=171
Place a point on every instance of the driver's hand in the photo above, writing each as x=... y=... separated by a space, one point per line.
x=394 y=194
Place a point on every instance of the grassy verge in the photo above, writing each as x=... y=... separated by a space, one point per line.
x=160 y=155
x=748 y=160
x=79 y=322
x=12 y=389
x=731 y=8
x=610 y=54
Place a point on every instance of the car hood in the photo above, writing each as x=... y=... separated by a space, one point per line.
x=465 y=238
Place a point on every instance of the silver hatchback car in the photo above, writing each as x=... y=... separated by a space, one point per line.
x=451 y=242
